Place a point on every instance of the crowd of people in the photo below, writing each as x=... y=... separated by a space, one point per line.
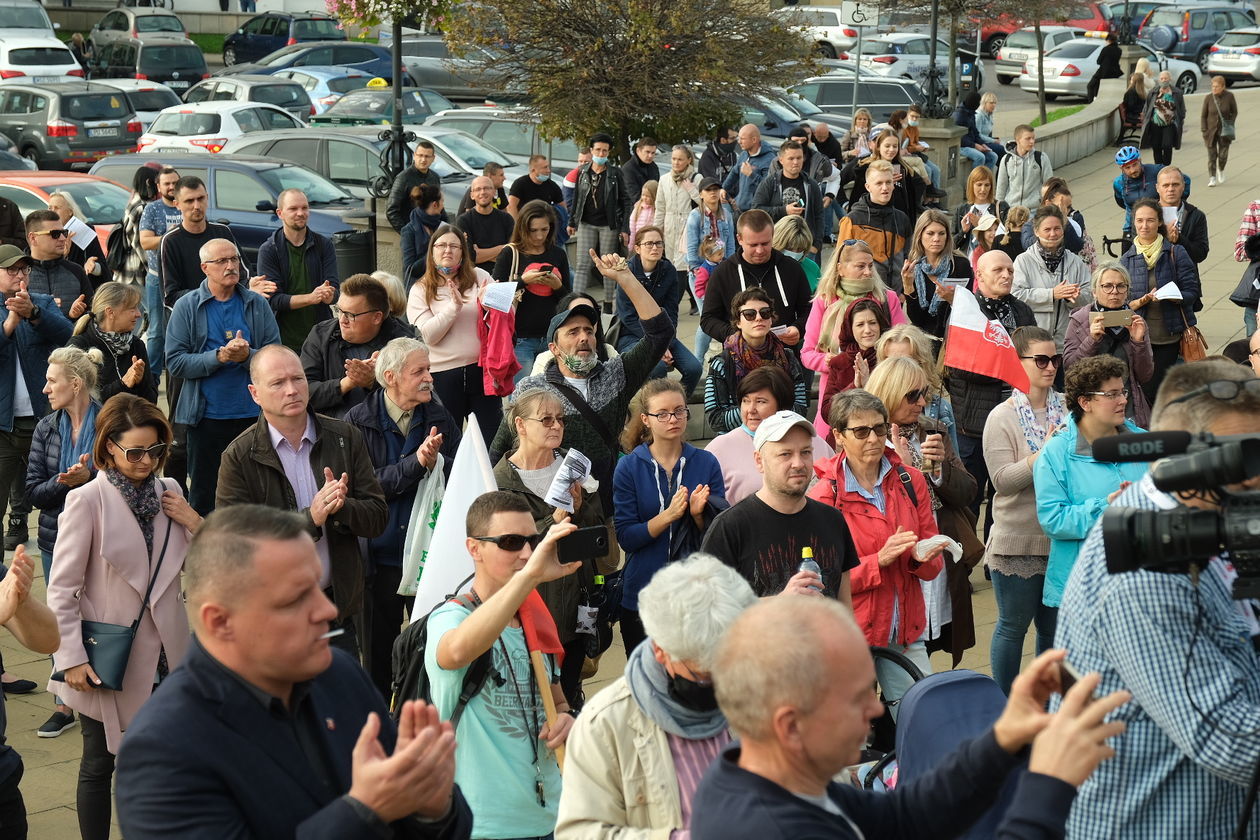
x=249 y=523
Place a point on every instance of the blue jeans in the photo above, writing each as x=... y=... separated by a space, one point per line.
x=527 y=349
x=894 y=682
x=1249 y=319
x=934 y=172
x=703 y=339
x=1019 y=604
x=155 y=310
x=979 y=158
x=685 y=363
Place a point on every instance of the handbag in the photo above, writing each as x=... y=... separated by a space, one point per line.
x=424 y=514
x=1227 y=126
x=515 y=276
x=108 y=646
x=1247 y=293
x=1193 y=346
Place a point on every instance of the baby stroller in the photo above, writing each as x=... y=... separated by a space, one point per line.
x=877 y=768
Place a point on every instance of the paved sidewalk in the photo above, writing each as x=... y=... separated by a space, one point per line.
x=52 y=764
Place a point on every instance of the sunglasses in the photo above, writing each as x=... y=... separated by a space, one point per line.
x=1042 y=361
x=916 y=395
x=548 y=422
x=513 y=542
x=863 y=432
x=55 y=234
x=765 y=313
x=136 y=454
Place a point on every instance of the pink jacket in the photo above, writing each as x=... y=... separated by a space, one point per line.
x=100 y=573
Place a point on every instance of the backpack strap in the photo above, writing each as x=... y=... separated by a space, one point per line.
x=904 y=475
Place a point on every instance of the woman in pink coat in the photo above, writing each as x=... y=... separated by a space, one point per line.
x=116 y=531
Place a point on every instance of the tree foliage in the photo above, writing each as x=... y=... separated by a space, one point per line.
x=663 y=68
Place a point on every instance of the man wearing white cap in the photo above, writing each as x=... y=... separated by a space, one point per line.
x=767 y=535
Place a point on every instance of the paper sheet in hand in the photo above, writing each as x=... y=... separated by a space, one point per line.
x=1170 y=215
x=1168 y=291
x=956 y=281
x=575 y=468
x=81 y=233
x=923 y=548
x=498 y=296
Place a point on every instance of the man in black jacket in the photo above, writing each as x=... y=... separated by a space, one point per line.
x=399 y=208
x=599 y=214
x=1188 y=226
x=637 y=171
x=297 y=270
x=718 y=158
x=788 y=190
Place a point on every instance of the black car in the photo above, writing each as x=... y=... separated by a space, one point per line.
x=269 y=32
x=68 y=125
x=176 y=62
x=375 y=106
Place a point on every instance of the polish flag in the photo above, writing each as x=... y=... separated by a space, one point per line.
x=974 y=343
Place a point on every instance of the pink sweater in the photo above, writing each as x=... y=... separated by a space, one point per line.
x=448 y=329
x=816 y=360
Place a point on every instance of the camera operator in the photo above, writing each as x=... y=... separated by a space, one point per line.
x=1192 y=741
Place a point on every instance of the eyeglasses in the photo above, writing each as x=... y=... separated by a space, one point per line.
x=765 y=313
x=1042 y=361
x=343 y=315
x=135 y=454
x=655 y=243
x=917 y=394
x=513 y=542
x=448 y=246
x=863 y=432
x=1120 y=394
x=683 y=413
x=1222 y=389
x=55 y=234
x=225 y=261
x=21 y=269
x=549 y=422
x=1113 y=287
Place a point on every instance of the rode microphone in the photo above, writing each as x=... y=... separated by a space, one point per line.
x=1147 y=446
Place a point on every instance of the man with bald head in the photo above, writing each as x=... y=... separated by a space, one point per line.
x=794 y=678
x=297 y=271
x=213 y=332
x=973 y=395
x=264 y=731
x=751 y=167
x=487 y=228
x=295 y=459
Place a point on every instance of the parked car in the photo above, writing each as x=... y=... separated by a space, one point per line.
x=1021 y=46
x=242 y=192
x=351 y=157
x=468 y=76
x=266 y=33
x=777 y=113
x=325 y=85
x=375 y=106
x=823 y=25
x=25 y=19
x=1138 y=10
x=1189 y=31
x=174 y=61
x=42 y=59
x=125 y=24
x=1070 y=66
x=157 y=4
x=1088 y=16
x=880 y=96
x=67 y=125
x=207 y=126
x=1236 y=56
x=509 y=130
x=101 y=200
x=370 y=58
x=283 y=93
x=906 y=54
x=147 y=98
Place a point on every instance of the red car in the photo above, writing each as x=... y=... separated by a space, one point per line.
x=101 y=200
x=1091 y=17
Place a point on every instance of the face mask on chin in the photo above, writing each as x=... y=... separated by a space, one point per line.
x=599 y=161
x=699 y=697
x=580 y=366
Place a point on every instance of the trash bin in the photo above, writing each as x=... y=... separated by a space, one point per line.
x=354 y=253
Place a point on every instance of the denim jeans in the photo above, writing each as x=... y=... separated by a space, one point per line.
x=934 y=171
x=979 y=158
x=1249 y=320
x=894 y=682
x=1018 y=604
x=703 y=339
x=685 y=363
x=527 y=349
x=155 y=311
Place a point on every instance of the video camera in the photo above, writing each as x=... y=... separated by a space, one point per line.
x=1178 y=540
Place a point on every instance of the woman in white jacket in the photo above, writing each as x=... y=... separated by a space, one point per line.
x=677 y=193
x=1048 y=277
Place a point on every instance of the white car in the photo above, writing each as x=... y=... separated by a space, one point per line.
x=1069 y=68
x=1021 y=45
x=207 y=126
x=823 y=25
x=37 y=59
x=147 y=98
x=906 y=55
x=1236 y=56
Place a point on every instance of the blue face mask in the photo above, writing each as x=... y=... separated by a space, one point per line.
x=599 y=161
x=794 y=255
x=447 y=269
x=540 y=179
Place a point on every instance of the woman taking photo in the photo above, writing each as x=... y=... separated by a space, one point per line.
x=1088 y=335
x=850 y=366
x=1219 y=108
x=444 y=305
x=426 y=217
x=537 y=418
x=1153 y=262
x=533 y=259
x=121 y=532
x=665 y=494
x=926 y=272
x=979 y=203
x=1018 y=549
x=748 y=348
x=59 y=461
x=1050 y=278
x=1073 y=488
x=105 y=334
x=710 y=230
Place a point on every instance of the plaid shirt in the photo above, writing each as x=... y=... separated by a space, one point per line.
x=1250 y=226
x=1179 y=769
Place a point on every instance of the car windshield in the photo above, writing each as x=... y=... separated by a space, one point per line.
x=1238 y=39
x=159 y=23
x=799 y=103
x=1074 y=51
x=378 y=104
x=102 y=203
x=318 y=29
x=95 y=106
x=473 y=151
x=348 y=83
x=40 y=56
x=152 y=100
x=1022 y=39
x=282 y=95
x=30 y=16
x=185 y=123
x=318 y=189
x=164 y=59
x=425 y=49
x=1165 y=17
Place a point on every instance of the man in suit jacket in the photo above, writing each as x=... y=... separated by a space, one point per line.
x=265 y=731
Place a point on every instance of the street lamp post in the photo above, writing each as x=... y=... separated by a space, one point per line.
x=934 y=106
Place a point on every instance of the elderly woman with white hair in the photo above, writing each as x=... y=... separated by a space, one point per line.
x=640 y=747
x=404 y=429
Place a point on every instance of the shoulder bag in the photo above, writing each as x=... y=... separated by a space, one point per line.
x=1227 y=126
x=1193 y=345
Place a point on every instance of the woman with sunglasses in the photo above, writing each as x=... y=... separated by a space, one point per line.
x=1088 y=335
x=1018 y=549
x=912 y=342
x=1050 y=278
x=537 y=421
x=665 y=494
x=927 y=273
x=903 y=387
x=748 y=348
x=119 y=531
x=888 y=511
x=1072 y=487
x=864 y=322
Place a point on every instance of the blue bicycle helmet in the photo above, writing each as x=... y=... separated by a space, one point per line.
x=1128 y=153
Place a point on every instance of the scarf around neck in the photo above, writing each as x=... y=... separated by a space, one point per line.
x=924 y=288
x=141 y=499
x=649 y=686
x=1034 y=432
x=118 y=343
x=72 y=450
x=1150 y=252
x=998 y=309
x=746 y=358
x=1051 y=259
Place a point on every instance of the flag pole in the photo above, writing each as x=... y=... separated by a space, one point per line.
x=549 y=702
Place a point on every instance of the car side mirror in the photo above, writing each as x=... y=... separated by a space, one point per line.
x=265 y=206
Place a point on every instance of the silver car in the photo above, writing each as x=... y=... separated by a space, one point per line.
x=1021 y=46
x=123 y=24
x=1236 y=56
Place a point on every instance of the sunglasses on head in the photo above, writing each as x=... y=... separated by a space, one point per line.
x=1042 y=361
x=863 y=432
x=513 y=542
x=764 y=312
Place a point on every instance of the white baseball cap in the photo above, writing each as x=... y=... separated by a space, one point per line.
x=774 y=427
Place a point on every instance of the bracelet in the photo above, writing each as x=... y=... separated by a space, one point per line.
x=573 y=713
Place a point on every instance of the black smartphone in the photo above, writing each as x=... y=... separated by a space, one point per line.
x=583 y=544
x=1068 y=676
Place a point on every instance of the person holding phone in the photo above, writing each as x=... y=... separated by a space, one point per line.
x=666 y=493
x=980 y=202
x=927 y=273
x=1110 y=328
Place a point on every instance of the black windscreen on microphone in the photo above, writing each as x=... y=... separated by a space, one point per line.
x=1148 y=446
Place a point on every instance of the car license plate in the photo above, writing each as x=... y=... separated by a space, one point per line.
x=175 y=84
x=102 y=132
x=45 y=80
x=1017 y=56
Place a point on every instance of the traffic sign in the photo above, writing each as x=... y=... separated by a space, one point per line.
x=858 y=14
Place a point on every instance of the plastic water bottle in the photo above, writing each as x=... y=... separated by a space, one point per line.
x=809 y=565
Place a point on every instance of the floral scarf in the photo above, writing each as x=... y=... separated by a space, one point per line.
x=141 y=499
x=1034 y=432
x=1165 y=107
x=118 y=343
x=924 y=288
x=1051 y=259
x=746 y=358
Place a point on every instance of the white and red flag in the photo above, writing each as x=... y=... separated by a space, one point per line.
x=976 y=344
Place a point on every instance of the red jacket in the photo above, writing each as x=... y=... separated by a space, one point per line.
x=876 y=588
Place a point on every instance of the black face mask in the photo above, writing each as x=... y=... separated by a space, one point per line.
x=725 y=148
x=693 y=695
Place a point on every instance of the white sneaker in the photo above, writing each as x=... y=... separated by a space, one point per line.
x=1212 y=181
x=1220 y=178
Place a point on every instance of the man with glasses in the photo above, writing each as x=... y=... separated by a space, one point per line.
x=421 y=172
x=766 y=536
x=51 y=273
x=339 y=355
x=1182 y=645
x=179 y=257
x=276 y=462
x=297 y=271
x=505 y=763
x=212 y=334
x=488 y=228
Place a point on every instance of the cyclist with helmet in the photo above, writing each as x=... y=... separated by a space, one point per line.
x=1136 y=181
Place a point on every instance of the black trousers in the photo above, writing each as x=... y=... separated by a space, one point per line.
x=1166 y=355
x=206 y=442
x=385 y=616
x=463 y=392
x=96 y=773
x=632 y=632
x=12 y=807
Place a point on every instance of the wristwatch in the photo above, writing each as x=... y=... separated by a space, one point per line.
x=34 y=316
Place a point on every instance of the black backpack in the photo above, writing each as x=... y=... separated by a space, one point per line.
x=116 y=250
x=411 y=681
